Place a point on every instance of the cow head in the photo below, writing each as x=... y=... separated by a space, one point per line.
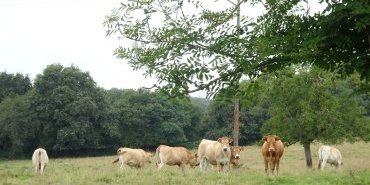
x=148 y=156
x=271 y=140
x=225 y=142
x=235 y=151
x=194 y=160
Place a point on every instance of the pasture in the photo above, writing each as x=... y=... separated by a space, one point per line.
x=100 y=170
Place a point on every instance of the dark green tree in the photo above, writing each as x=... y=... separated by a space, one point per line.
x=18 y=125
x=146 y=119
x=11 y=84
x=311 y=106
x=72 y=110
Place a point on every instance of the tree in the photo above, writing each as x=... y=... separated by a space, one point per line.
x=72 y=110
x=11 y=85
x=310 y=106
x=18 y=125
x=202 y=50
x=145 y=119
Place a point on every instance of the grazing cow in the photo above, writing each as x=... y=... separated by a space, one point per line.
x=179 y=156
x=215 y=152
x=272 y=150
x=40 y=159
x=133 y=157
x=331 y=155
x=235 y=155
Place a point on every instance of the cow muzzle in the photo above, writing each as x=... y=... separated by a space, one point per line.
x=237 y=157
x=225 y=149
x=271 y=149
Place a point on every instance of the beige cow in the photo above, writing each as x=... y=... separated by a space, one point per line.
x=330 y=155
x=40 y=159
x=133 y=157
x=215 y=152
x=179 y=156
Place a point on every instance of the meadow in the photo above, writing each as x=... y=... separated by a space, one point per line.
x=100 y=170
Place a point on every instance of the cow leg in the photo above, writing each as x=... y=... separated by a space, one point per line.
x=182 y=166
x=41 y=169
x=272 y=167
x=323 y=164
x=160 y=165
x=266 y=167
x=319 y=165
x=277 y=166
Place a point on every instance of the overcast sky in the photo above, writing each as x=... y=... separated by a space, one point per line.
x=36 y=33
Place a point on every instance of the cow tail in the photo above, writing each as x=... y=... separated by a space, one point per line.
x=39 y=160
x=320 y=159
x=157 y=156
x=115 y=161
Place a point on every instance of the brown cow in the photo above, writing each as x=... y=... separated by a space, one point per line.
x=272 y=150
x=133 y=157
x=179 y=156
x=215 y=152
x=235 y=155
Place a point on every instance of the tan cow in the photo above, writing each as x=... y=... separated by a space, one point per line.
x=331 y=155
x=235 y=155
x=133 y=157
x=272 y=150
x=40 y=159
x=215 y=152
x=179 y=156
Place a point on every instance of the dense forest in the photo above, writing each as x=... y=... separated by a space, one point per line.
x=64 y=111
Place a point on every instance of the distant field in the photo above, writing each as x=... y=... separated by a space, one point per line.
x=99 y=170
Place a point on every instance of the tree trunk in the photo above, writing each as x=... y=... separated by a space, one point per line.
x=236 y=123
x=307 y=153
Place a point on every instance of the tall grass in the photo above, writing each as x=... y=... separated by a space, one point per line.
x=99 y=170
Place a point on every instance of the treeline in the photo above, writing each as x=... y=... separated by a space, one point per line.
x=66 y=112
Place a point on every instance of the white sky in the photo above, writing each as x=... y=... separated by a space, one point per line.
x=36 y=33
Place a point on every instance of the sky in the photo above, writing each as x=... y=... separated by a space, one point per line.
x=37 y=33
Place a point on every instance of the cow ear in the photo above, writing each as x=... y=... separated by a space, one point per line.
x=230 y=140
x=219 y=140
x=241 y=148
x=196 y=155
x=264 y=138
x=277 y=138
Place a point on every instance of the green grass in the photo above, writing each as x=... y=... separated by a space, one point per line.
x=99 y=170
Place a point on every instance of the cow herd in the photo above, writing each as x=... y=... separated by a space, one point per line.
x=217 y=153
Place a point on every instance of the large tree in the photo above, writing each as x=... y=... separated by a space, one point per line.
x=71 y=108
x=311 y=106
x=18 y=125
x=11 y=85
x=203 y=49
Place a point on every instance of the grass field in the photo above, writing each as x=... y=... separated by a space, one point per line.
x=99 y=170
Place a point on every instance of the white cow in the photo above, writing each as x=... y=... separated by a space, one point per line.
x=331 y=155
x=215 y=152
x=40 y=159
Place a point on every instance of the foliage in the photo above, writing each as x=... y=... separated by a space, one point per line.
x=146 y=119
x=311 y=103
x=11 y=85
x=18 y=125
x=71 y=109
x=202 y=49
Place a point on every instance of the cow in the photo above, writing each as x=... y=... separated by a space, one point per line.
x=133 y=157
x=40 y=159
x=235 y=155
x=272 y=150
x=215 y=152
x=171 y=156
x=331 y=155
